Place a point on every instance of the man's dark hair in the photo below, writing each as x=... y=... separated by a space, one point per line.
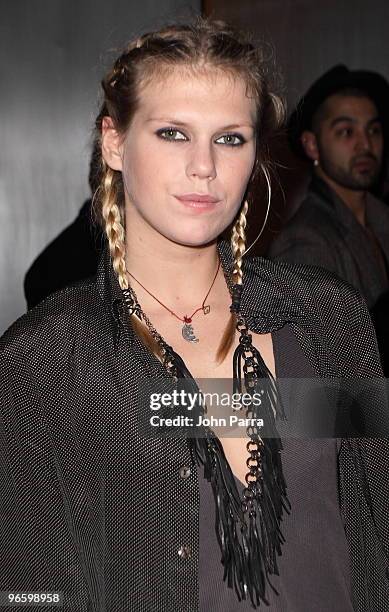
x=347 y=92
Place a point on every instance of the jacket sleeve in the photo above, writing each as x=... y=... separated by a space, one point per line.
x=365 y=464
x=374 y=447
x=36 y=552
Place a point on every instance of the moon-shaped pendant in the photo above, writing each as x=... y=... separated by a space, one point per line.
x=188 y=334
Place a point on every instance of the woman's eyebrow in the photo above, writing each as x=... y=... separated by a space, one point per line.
x=171 y=120
x=236 y=126
x=168 y=120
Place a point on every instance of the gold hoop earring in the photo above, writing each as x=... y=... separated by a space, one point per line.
x=267 y=178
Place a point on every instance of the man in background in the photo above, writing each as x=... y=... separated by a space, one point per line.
x=73 y=255
x=339 y=125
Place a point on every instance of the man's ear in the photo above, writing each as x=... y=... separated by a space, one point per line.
x=111 y=144
x=309 y=143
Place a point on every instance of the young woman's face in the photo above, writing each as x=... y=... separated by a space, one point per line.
x=188 y=155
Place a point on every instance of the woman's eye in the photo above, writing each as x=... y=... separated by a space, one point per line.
x=232 y=140
x=171 y=134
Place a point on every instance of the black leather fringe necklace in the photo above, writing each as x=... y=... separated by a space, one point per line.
x=247 y=526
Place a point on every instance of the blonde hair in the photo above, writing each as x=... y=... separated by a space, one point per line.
x=197 y=46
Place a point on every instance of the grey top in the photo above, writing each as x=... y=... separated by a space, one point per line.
x=324 y=232
x=314 y=567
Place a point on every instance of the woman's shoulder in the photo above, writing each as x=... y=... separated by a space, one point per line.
x=303 y=281
x=327 y=307
x=56 y=320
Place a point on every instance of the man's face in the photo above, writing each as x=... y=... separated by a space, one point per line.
x=349 y=141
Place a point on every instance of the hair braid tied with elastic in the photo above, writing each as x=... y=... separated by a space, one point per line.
x=113 y=225
x=238 y=243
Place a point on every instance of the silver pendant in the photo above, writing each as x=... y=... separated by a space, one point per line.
x=188 y=334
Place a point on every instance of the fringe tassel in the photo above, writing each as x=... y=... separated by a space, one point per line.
x=247 y=527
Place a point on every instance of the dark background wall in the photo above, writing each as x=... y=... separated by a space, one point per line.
x=53 y=54
x=310 y=36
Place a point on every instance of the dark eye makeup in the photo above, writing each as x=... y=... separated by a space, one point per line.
x=172 y=134
x=232 y=140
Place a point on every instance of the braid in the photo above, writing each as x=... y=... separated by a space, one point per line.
x=112 y=221
x=113 y=224
x=238 y=243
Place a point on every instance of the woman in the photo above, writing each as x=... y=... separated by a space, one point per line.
x=117 y=517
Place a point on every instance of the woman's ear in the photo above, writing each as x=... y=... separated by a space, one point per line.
x=309 y=143
x=111 y=144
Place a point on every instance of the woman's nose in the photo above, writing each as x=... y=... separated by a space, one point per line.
x=201 y=162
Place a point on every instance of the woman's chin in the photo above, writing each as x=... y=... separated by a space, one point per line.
x=194 y=240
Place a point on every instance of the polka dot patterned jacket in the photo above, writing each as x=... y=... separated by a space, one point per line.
x=94 y=510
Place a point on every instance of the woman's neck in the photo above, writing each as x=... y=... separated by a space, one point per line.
x=179 y=276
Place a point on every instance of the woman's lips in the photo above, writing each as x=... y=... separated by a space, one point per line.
x=198 y=200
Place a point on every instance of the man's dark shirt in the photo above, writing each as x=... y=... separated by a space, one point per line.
x=71 y=257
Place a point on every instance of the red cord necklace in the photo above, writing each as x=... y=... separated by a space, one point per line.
x=187 y=328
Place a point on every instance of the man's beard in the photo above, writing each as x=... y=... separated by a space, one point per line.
x=350 y=177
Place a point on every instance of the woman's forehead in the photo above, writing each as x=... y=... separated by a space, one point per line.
x=203 y=72
x=205 y=91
